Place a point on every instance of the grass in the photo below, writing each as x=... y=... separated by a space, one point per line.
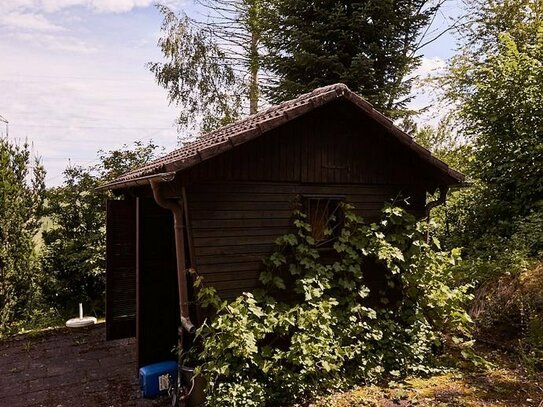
x=506 y=383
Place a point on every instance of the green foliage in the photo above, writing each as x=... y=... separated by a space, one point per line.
x=494 y=84
x=505 y=112
x=370 y=46
x=451 y=219
x=21 y=200
x=115 y=163
x=487 y=20
x=446 y=144
x=321 y=322
x=74 y=256
x=283 y=48
x=74 y=260
x=501 y=114
x=195 y=74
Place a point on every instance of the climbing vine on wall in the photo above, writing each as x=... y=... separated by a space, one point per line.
x=320 y=322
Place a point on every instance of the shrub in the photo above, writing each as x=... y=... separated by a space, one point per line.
x=333 y=326
x=21 y=200
x=508 y=311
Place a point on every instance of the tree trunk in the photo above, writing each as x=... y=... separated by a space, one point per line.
x=254 y=65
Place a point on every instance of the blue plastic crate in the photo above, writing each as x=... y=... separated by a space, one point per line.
x=156 y=379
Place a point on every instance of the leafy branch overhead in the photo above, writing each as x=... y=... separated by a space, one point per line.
x=195 y=75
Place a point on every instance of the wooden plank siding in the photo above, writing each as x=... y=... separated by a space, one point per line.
x=241 y=201
x=121 y=269
x=335 y=145
x=234 y=225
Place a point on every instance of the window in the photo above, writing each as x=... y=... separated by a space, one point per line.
x=326 y=219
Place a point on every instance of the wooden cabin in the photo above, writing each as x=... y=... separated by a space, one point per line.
x=217 y=204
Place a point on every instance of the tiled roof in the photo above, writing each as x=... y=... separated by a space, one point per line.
x=228 y=137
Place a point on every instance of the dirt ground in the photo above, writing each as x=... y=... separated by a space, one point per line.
x=65 y=368
x=503 y=383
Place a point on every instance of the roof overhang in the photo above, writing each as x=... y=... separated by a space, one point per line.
x=144 y=180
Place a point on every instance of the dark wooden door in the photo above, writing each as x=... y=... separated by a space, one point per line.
x=121 y=269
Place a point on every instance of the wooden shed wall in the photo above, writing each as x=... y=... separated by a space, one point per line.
x=241 y=201
x=234 y=225
x=121 y=263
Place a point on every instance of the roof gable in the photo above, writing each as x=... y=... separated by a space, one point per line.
x=251 y=127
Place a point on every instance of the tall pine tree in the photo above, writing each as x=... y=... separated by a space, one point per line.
x=370 y=45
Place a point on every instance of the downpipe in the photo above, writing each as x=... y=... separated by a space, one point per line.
x=177 y=211
x=176 y=208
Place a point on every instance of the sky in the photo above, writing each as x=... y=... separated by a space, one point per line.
x=73 y=79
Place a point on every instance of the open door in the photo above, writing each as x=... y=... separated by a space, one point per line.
x=158 y=302
x=121 y=255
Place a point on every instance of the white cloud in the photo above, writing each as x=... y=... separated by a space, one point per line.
x=28 y=22
x=118 y=6
x=70 y=105
x=55 y=17
x=63 y=44
x=101 y=6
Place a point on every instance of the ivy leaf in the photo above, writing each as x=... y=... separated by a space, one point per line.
x=266 y=277
x=278 y=282
x=363 y=292
x=326 y=366
x=277 y=259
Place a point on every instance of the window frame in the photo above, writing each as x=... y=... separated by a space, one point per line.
x=338 y=211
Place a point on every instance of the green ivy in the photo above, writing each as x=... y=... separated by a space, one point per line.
x=316 y=324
